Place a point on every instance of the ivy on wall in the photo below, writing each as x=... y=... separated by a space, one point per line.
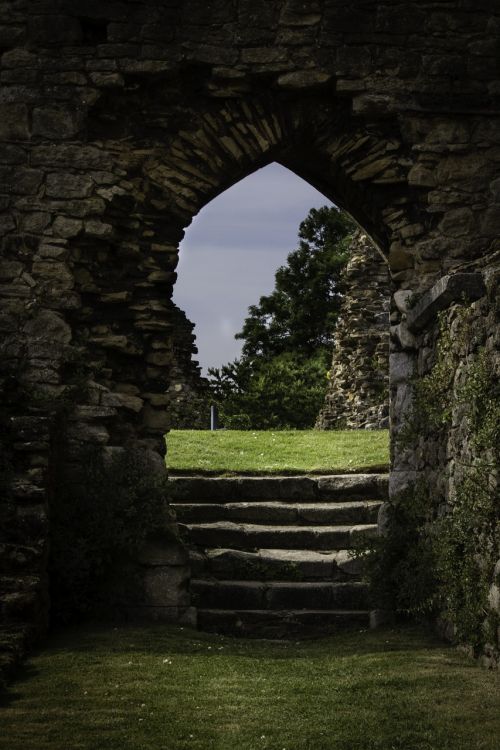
x=438 y=554
x=100 y=517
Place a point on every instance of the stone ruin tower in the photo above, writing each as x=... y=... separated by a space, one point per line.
x=358 y=390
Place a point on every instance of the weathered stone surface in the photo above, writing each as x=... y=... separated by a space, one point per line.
x=186 y=396
x=14 y=123
x=299 y=571
x=448 y=289
x=304 y=79
x=49 y=325
x=242 y=536
x=165 y=587
x=55 y=122
x=124 y=400
x=278 y=512
x=160 y=552
x=401 y=299
x=66 y=185
x=352 y=486
x=276 y=564
x=402 y=367
x=66 y=227
x=358 y=389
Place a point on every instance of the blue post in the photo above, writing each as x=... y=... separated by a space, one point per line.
x=214 y=418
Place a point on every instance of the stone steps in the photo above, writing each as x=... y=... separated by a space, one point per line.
x=279 y=512
x=278 y=595
x=293 y=623
x=270 y=556
x=274 y=564
x=253 y=535
x=303 y=489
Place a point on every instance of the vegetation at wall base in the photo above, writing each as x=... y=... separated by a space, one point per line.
x=437 y=556
x=276 y=452
x=99 y=519
x=168 y=688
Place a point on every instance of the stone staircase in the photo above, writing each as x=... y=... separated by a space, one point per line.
x=270 y=555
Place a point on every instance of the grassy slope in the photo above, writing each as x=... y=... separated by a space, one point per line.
x=286 y=451
x=165 y=688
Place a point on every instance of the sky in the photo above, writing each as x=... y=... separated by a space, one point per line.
x=231 y=252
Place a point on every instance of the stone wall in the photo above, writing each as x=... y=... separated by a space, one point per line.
x=120 y=120
x=447 y=453
x=188 y=400
x=358 y=389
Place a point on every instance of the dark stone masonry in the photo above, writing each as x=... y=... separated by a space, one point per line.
x=121 y=119
x=187 y=400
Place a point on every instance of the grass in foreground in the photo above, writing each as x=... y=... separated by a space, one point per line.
x=279 y=452
x=166 y=688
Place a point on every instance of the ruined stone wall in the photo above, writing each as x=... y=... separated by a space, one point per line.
x=450 y=431
x=358 y=389
x=120 y=120
x=188 y=401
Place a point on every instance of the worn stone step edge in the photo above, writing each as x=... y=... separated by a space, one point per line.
x=361 y=511
x=278 y=595
x=274 y=564
x=281 y=624
x=255 y=536
x=301 y=488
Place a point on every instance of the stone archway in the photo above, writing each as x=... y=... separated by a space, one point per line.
x=170 y=185
x=117 y=132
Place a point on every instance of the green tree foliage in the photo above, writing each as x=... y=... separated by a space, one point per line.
x=281 y=377
x=301 y=312
x=286 y=391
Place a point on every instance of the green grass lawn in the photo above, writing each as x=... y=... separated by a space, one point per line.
x=165 y=688
x=279 y=452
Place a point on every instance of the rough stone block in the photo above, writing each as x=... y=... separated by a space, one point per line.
x=20 y=180
x=166 y=586
x=56 y=122
x=160 y=552
x=448 y=289
x=58 y=274
x=401 y=367
x=14 y=122
x=50 y=325
x=66 y=227
x=304 y=79
x=122 y=400
x=401 y=298
x=66 y=185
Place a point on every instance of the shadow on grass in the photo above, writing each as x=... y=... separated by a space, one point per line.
x=147 y=638
x=24 y=673
x=393 y=688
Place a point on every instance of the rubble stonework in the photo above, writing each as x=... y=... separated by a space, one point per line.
x=358 y=388
x=120 y=120
x=188 y=403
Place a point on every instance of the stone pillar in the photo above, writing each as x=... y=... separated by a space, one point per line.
x=358 y=389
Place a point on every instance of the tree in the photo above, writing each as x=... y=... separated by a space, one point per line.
x=281 y=376
x=286 y=391
x=301 y=313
